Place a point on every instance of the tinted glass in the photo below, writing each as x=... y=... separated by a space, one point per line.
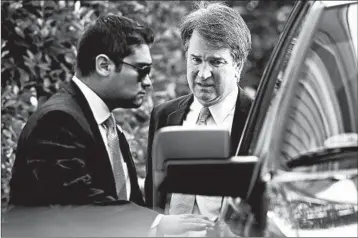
x=325 y=108
x=320 y=138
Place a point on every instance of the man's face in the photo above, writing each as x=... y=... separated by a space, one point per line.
x=127 y=88
x=210 y=70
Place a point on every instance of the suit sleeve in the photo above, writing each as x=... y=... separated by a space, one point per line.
x=52 y=166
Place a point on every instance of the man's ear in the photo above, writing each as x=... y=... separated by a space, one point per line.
x=103 y=65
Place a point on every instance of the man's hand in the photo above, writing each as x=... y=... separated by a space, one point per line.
x=179 y=224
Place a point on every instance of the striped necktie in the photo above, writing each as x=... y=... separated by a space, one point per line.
x=116 y=156
x=184 y=203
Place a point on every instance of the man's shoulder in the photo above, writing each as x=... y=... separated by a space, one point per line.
x=59 y=108
x=61 y=101
x=245 y=101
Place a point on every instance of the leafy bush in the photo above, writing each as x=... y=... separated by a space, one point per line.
x=38 y=52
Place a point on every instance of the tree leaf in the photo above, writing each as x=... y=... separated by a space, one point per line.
x=4 y=53
x=19 y=31
x=30 y=54
x=15 y=5
x=77 y=6
x=6 y=133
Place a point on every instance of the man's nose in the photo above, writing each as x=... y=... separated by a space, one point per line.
x=204 y=71
x=146 y=82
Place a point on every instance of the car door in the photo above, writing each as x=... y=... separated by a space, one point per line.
x=245 y=216
x=311 y=169
x=305 y=135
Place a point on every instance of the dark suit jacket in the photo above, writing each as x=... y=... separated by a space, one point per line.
x=174 y=112
x=61 y=157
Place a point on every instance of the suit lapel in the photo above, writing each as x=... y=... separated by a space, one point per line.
x=135 y=195
x=101 y=157
x=242 y=108
x=235 y=135
x=74 y=90
x=177 y=116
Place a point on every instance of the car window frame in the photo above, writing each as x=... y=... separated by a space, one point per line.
x=266 y=87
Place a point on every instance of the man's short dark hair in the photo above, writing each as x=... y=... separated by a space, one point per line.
x=113 y=36
x=221 y=26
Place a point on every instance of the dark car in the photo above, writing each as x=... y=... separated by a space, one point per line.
x=295 y=169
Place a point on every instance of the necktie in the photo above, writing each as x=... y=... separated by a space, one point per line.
x=203 y=117
x=184 y=203
x=116 y=156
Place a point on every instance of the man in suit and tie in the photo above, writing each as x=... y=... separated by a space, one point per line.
x=71 y=150
x=217 y=42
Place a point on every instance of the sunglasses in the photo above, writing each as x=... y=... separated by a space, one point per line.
x=142 y=71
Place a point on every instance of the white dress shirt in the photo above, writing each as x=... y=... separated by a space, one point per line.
x=222 y=116
x=101 y=113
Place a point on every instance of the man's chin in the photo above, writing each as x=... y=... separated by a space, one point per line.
x=131 y=104
x=138 y=102
x=137 y=105
x=206 y=100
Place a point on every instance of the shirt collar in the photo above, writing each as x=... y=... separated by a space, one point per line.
x=98 y=107
x=220 y=110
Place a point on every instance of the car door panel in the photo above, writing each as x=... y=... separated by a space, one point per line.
x=311 y=116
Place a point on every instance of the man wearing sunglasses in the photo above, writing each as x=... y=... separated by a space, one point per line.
x=71 y=150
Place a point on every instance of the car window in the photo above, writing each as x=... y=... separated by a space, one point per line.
x=324 y=110
x=261 y=142
x=320 y=135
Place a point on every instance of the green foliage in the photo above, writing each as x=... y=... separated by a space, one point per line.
x=38 y=49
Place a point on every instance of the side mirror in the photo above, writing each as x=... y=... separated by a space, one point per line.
x=197 y=161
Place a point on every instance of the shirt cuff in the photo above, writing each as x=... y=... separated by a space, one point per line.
x=153 y=231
